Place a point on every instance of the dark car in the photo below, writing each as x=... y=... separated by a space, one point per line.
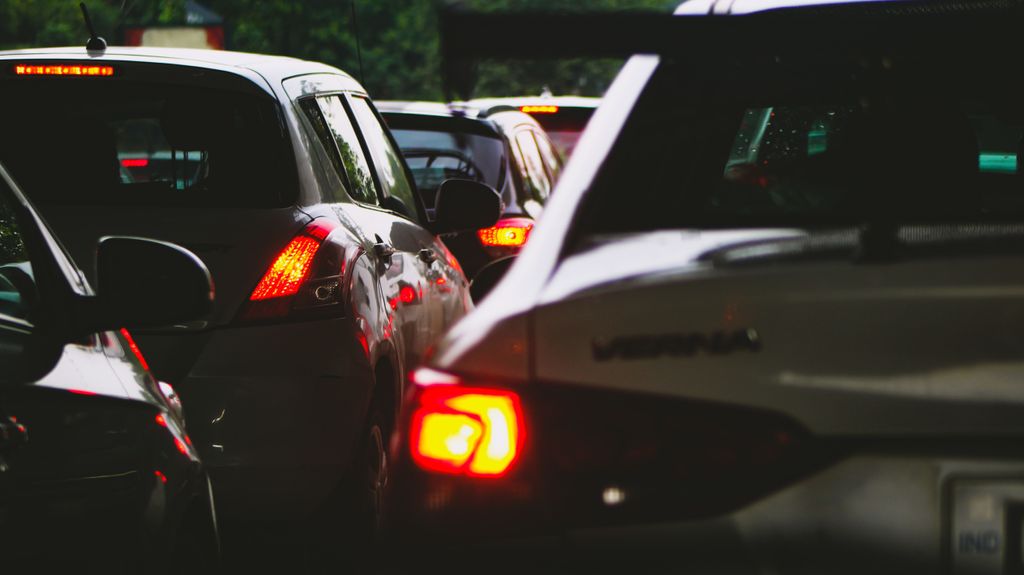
x=496 y=145
x=97 y=471
x=563 y=117
x=332 y=282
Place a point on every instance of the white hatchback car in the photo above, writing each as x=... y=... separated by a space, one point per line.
x=278 y=173
x=769 y=321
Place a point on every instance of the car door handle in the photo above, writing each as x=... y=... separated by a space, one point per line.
x=428 y=255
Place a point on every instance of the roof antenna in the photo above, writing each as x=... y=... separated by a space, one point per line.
x=359 y=50
x=95 y=43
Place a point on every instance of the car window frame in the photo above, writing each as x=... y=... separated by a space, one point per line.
x=335 y=153
x=535 y=194
x=541 y=139
x=57 y=279
x=421 y=217
x=325 y=155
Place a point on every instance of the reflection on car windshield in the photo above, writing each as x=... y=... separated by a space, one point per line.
x=435 y=156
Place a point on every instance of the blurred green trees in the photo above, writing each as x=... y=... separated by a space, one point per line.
x=398 y=38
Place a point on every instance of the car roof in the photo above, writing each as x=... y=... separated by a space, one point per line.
x=697 y=7
x=499 y=118
x=518 y=101
x=428 y=109
x=272 y=68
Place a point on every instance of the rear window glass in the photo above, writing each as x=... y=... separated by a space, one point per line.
x=435 y=156
x=804 y=152
x=565 y=127
x=145 y=143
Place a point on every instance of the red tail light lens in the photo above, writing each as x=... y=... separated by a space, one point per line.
x=299 y=277
x=506 y=233
x=292 y=265
x=467 y=431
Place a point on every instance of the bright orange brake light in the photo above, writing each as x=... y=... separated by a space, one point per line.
x=62 y=70
x=539 y=109
x=507 y=232
x=467 y=431
x=293 y=264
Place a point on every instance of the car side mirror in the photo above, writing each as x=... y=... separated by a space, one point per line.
x=145 y=283
x=463 y=205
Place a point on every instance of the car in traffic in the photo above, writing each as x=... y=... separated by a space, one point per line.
x=331 y=280
x=563 y=117
x=496 y=145
x=769 y=321
x=97 y=470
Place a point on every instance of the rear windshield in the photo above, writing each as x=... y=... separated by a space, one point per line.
x=435 y=156
x=564 y=126
x=809 y=148
x=92 y=141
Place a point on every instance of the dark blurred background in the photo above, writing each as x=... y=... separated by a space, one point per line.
x=399 y=37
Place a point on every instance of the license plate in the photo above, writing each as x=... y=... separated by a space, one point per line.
x=985 y=526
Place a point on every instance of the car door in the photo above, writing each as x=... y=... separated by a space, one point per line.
x=445 y=296
x=396 y=238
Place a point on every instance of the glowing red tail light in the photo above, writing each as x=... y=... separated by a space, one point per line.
x=465 y=431
x=299 y=277
x=292 y=265
x=507 y=232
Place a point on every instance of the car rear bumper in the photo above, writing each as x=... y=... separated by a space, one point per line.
x=639 y=478
x=275 y=412
x=870 y=513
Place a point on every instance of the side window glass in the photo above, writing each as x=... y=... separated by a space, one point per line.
x=536 y=177
x=551 y=160
x=350 y=152
x=312 y=111
x=17 y=289
x=389 y=162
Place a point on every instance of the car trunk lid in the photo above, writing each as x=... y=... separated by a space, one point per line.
x=916 y=345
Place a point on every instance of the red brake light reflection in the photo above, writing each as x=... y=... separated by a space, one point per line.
x=135 y=348
x=62 y=70
x=82 y=392
x=507 y=232
x=467 y=431
x=134 y=162
x=407 y=294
